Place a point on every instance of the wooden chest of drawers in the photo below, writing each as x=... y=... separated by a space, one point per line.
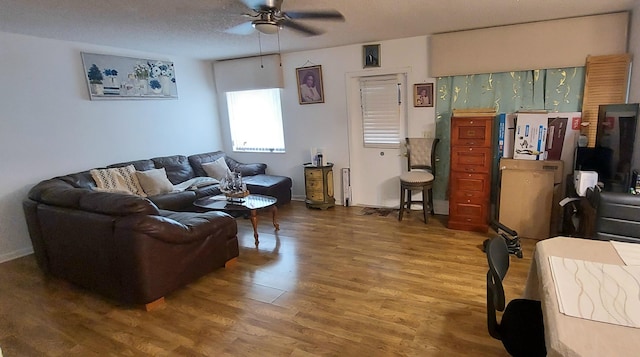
x=470 y=175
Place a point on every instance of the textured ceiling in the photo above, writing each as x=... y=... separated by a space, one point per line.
x=195 y=28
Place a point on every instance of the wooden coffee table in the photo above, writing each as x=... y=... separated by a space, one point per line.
x=251 y=203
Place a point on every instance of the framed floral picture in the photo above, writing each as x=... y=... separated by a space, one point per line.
x=310 y=85
x=117 y=77
x=423 y=95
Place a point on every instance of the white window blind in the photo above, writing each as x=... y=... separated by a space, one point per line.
x=380 y=96
x=255 y=120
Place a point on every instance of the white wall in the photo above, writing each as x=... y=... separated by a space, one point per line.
x=49 y=127
x=325 y=125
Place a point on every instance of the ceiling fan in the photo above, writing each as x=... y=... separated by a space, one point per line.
x=268 y=18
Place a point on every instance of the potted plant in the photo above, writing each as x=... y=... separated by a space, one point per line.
x=95 y=79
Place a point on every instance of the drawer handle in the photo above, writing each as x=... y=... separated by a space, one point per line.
x=470 y=149
x=471 y=122
x=468 y=201
x=469 y=169
x=472 y=143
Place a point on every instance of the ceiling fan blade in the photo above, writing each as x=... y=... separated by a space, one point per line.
x=321 y=14
x=242 y=29
x=300 y=28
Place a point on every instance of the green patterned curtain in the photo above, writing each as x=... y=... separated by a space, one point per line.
x=555 y=90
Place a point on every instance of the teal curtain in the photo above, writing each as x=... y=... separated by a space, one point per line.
x=555 y=90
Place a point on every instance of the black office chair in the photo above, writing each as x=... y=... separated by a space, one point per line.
x=521 y=328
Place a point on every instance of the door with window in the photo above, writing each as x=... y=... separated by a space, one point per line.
x=377 y=122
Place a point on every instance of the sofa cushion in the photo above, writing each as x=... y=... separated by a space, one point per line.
x=217 y=169
x=118 y=179
x=80 y=180
x=140 y=165
x=177 y=167
x=245 y=169
x=197 y=160
x=154 y=182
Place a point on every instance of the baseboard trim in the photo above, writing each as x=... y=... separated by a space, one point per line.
x=15 y=254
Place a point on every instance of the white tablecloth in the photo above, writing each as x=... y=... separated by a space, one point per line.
x=573 y=336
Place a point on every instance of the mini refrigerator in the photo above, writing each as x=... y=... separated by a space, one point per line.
x=530 y=193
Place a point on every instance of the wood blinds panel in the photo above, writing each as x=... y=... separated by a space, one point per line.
x=606 y=82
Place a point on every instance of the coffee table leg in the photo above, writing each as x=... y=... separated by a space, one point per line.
x=274 y=218
x=254 y=223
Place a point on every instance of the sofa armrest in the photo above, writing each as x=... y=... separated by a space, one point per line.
x=56 y=192
x=250 y=169
x=181 y=227
x=175 y=201
x=116 y=204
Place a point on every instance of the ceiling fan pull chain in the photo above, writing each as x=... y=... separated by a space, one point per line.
x=279 y=47
x=260 y=45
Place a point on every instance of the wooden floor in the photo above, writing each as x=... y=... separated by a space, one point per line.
x=329 y=283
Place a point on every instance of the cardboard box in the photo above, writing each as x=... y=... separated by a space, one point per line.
x=530 y=194
x=531 y=137
x=506 y=134
x=555 y=137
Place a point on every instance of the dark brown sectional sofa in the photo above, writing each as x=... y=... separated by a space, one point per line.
x=136 y=249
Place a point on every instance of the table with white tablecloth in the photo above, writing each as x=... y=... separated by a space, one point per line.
x=574 y=336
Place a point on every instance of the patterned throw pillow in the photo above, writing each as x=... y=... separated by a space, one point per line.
x=118 y=179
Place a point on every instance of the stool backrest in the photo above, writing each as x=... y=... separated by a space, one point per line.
x=421 y=153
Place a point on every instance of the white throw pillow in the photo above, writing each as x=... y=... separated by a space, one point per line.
x=217 y=169
x=154 y=182
x=118 y=179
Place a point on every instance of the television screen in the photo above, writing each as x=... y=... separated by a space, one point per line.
x=611 y=157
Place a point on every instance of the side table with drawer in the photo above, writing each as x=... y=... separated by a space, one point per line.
x=318 y=183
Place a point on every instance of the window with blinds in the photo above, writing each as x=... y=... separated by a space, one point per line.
x=255 y=120
x=381 y=99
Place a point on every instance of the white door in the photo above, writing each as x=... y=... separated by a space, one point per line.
x=375 y=170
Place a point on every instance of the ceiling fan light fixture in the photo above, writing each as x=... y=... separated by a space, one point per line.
x=266 y=27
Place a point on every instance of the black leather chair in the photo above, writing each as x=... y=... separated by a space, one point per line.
x=521 y=328
x=617 y=216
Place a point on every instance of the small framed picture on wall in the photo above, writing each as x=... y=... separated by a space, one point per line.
x=423 y=95
x=371 y=56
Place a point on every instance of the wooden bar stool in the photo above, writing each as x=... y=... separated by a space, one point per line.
x=421 y=174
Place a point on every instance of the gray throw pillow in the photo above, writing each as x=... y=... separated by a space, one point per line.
x=154 y=182
x=217 y=169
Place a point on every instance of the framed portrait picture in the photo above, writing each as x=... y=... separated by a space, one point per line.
x=371 y=56
x=310 y=85
x=423 y=95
